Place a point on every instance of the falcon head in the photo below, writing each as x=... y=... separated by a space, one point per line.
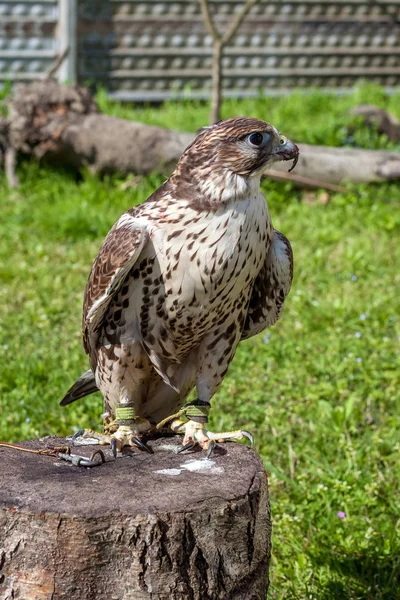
x=244 y=145
x=227 y=159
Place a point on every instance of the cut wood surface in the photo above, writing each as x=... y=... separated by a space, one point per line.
x=160 y=527
x=62 y=125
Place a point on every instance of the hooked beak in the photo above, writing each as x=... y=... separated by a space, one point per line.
x=289 y=151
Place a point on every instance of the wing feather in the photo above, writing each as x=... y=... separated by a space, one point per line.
x=271 y=287
x=117 y=256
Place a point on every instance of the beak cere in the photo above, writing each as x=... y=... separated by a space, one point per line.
x=289 y=151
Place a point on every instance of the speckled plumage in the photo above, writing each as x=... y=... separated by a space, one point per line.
x=183 y=277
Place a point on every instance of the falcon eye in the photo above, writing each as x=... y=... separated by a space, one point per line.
x=258 y=139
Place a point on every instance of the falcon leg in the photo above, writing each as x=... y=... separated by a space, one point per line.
x=130 y=429
x=195 y=430
x=213 y=359
x=109 y=425
x=200 y=433
x=126 y=430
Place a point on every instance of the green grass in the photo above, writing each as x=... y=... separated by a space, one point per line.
x=320 y=391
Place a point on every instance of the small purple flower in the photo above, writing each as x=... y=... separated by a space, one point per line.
x=267 y=338
x=341 y=514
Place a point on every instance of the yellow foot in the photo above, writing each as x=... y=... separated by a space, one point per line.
x=110 y=426
x=197 y=434
x=125 y=435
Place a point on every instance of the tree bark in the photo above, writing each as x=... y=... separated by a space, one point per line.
x=159 y=527
x=62 y=125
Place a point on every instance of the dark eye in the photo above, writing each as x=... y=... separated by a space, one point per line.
x=258 y=139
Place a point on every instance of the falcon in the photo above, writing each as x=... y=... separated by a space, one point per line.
x=179 y=281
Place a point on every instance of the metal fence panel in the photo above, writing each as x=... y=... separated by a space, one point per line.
x=157 y=49
x=28 y=43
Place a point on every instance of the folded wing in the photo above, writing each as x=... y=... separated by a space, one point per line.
x=270 y=288
x=117 y=256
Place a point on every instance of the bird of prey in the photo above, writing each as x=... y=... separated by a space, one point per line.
x=179 y=281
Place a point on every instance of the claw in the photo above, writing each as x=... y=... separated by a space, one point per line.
x=187 y=446
x=211 y=448
x=248 y=435
x=139 y=444
x=77 y=434
x=113 y=446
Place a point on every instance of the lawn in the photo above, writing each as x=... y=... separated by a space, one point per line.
x=320 y=391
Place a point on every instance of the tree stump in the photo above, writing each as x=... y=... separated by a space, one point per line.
x=165 y=526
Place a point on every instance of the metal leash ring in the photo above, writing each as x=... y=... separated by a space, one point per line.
x=83 y=461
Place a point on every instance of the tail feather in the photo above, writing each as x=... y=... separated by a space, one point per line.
x=84 y=386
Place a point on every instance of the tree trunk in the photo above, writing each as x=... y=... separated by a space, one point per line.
x=62 y=125
x=159 y=527
x=345 y=165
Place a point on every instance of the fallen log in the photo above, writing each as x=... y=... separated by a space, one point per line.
x=62 y=125
x=304 y=182
x=165 y=526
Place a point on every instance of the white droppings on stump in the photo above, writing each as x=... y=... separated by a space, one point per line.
x=169 y=472
x=204 y=465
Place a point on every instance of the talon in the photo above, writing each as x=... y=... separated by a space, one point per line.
x=196 y=433
x=211 y=449
x=248 y=435
x=113 y=446
x=187 y=446
x=139 y=444
x=77 y=434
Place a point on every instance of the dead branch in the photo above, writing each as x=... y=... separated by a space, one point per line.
x=56 y=64
x=10 y=162
x=208 y=21
x=304 y=182
x=237 y=21
x=219 y=42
